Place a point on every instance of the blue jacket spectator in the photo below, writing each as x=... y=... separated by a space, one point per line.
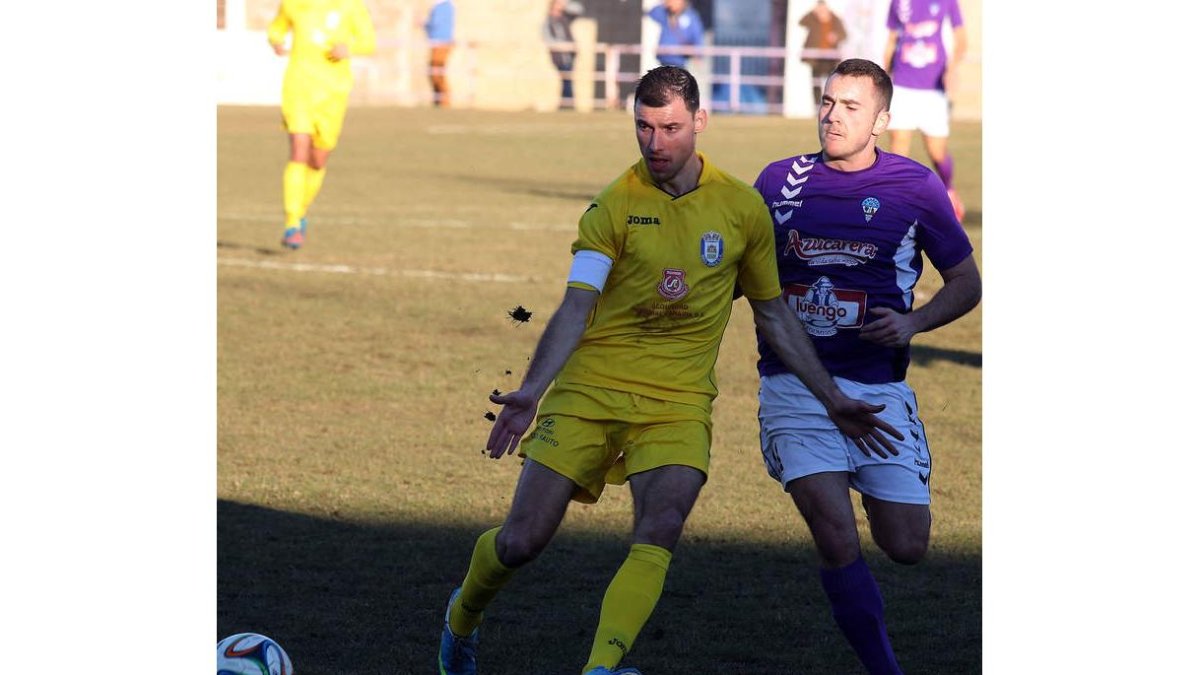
x=681 y=26
x=439 y=27
x=439 y=30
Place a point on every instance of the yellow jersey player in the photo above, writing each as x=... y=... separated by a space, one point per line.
x=316 y=86
x=631 y=351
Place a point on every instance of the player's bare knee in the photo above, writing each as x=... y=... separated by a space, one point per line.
x=517 y=546
x=837 y=549
x=836 y=537
x=906 y=551
x=661 y=529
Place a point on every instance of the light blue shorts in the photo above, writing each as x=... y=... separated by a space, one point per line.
x=924 y=110
x=798 y=439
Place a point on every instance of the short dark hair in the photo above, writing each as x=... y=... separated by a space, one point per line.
x=659 y=85
x=865 y=68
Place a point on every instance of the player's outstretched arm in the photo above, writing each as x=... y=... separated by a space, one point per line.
x=363 y=43
x=856 y=419
x=950 y=78
x=889 y=51
x=960 y=292
x=277 y=31
x=556 y=345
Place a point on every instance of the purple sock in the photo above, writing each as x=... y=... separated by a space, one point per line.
x=945 y=170
x=858 y=609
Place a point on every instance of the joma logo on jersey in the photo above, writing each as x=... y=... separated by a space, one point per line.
x=822 y=251
x=642 y=220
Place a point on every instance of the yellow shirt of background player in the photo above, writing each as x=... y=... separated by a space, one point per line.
x=658 y=323
x=316 y=26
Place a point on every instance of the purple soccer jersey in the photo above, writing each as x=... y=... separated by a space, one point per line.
x=920 y=56
x=849 y=241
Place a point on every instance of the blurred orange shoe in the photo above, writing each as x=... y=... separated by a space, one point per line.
x=293 y=238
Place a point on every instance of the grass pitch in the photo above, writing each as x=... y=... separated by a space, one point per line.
x=353 y=377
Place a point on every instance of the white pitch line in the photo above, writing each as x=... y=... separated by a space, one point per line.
x=376 y=271
x=515 y=129
x=431 y=224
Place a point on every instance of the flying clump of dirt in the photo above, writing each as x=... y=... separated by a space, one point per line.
x=520 y=315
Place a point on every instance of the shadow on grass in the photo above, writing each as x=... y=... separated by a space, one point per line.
x=581 y=194
x=261 y=250
x=924 y=356
x=346 y=598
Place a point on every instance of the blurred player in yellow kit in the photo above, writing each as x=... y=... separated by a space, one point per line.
x=325 y=33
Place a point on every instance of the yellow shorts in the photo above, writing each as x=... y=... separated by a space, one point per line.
x=317 y=113
x=596 y=436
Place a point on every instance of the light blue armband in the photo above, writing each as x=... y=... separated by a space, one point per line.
x=591 y=268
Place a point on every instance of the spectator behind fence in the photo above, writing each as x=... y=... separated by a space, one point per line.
x=316 y=88
x=825 y=31
x=557 y=31
x=925 y=80
x=681 y=27
x=439 y=31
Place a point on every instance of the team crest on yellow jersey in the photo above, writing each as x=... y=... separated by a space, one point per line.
x=672 y=286
x=712 y=248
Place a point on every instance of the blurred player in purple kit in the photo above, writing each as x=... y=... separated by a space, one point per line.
x=925 y=79
x=851 y=225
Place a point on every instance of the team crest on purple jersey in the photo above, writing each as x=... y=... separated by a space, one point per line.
x=870 y=205
x=712 y=248
x=672 y=286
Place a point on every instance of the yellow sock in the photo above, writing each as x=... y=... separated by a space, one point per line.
x=294 y=178
x=628 y=603
x=312 y=185
x=485 y=577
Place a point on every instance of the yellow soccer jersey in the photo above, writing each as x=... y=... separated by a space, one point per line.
x=658 y=323
x=316 y=26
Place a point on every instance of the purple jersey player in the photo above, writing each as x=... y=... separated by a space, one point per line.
x=851 y=226
x=925 y=79
x=849 y=243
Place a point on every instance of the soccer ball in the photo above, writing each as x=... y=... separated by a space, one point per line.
x=252 y=654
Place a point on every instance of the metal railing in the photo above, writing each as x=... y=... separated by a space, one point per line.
x=609 y=73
